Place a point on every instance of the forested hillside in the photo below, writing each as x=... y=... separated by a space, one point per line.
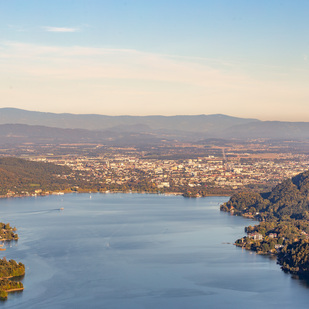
x=284 y=229
x=288 y=200
x=22 y=176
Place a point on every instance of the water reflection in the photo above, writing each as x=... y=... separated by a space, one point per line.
x=302 y=280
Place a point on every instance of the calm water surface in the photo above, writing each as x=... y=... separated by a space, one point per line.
x=139 y=251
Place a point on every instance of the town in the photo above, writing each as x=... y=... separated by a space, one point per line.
x=221 y=173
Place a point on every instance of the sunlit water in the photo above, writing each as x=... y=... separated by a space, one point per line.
x=135 y=251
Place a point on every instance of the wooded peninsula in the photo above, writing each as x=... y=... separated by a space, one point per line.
x=284 y=227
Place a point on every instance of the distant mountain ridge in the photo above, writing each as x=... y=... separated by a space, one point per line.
x=15 y=134
x=142 y=129
x=195 y=123
x=270 y=130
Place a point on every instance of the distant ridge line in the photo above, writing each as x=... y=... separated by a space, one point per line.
x=122 y=115
x=178 y=127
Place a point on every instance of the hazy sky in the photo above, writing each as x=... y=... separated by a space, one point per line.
x=141 y=57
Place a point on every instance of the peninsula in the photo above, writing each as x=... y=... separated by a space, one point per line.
x=10 y=269
x=284 y=227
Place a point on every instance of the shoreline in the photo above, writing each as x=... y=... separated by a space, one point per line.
x=14 y=290
x=111 y=192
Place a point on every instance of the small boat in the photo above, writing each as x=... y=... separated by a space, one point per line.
x=61 y=208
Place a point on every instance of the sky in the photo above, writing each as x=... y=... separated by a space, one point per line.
x=241 y=58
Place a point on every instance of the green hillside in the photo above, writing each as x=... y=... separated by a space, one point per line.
x=288 y=200
x=284 y=229
x=20 y=176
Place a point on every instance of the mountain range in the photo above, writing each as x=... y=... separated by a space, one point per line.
x=18 y=125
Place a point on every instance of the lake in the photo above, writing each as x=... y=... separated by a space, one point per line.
x=136 y=251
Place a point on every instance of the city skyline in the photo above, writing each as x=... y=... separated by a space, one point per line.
x=240 y=58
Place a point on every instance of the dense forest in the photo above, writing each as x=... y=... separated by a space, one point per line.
x=284 y=227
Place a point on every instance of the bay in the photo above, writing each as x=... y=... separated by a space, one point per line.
x=139 y=251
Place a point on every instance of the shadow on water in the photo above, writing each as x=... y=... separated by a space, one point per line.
x=19 y=278
x=270 y=257
x=304 y=281
x=15 y=293
x=8 y=243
